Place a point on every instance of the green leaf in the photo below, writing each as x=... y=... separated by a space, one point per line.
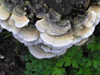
x=46 y=72
x=95 y=45
x=90 y=46
x=73 y=72
x=79 y=54
x=72 y=51
x=87 y=61
x=60 y=62
x=85 y=71
x=68 y=61
x=96 y=64
x=58 y=71
x=97 y=72
x=75 y=63
x=96 y=55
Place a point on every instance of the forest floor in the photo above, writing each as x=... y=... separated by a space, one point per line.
x=12 y=50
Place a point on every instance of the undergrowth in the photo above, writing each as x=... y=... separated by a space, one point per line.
x=76 y=61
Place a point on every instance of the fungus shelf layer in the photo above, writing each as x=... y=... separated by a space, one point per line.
x=49 y=27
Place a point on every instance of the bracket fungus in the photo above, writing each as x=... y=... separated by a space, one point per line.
x=27 y=34
x=19 y=18
x=90 y=19
x=10 y=28
x=27 y=43
x=81 y=42
x=49 y=27
x=39 y=53
x=4 y=10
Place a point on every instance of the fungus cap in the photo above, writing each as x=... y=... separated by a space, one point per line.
x=90 y=19
x=11 y=28
x=4 y=14
x=86 y=32
x=76 y=39
x=26 y=43
x=40 y=54
x=20 y=21
x=57 y=41
x=51 y=49
x=96 y=9
x=78 y=27
x=42 y=25
x=97 y=20
x=81 y=42
x=28 y=35
x=54 y=29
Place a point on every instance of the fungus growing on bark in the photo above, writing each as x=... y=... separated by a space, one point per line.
x=63 y=40
x=90 y=19
x=52 y=28
x=27 y=43
x=62 y=24
x=4 y=10
x=40 y=53
x=10 y=28
x=27 y=35
x=19 y=18
x=86 y=32
x=42 y=25
x=96 y=9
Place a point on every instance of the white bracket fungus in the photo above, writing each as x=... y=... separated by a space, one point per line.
x=4 y=10
x=19 y=18
x=50 y=36
x=10 y=28
x=20 y=21
x=91 y=17
x=81 y=42
x=40 y=53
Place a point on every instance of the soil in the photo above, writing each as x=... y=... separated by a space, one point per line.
x=12 y=50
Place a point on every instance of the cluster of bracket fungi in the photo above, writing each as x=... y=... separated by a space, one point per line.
x=46 y=31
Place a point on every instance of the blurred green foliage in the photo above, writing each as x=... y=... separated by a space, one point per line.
x=83 y=60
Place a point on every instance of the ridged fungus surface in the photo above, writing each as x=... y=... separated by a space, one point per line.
x=49 y=27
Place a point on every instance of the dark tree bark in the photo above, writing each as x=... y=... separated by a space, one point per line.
x=65 y=7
